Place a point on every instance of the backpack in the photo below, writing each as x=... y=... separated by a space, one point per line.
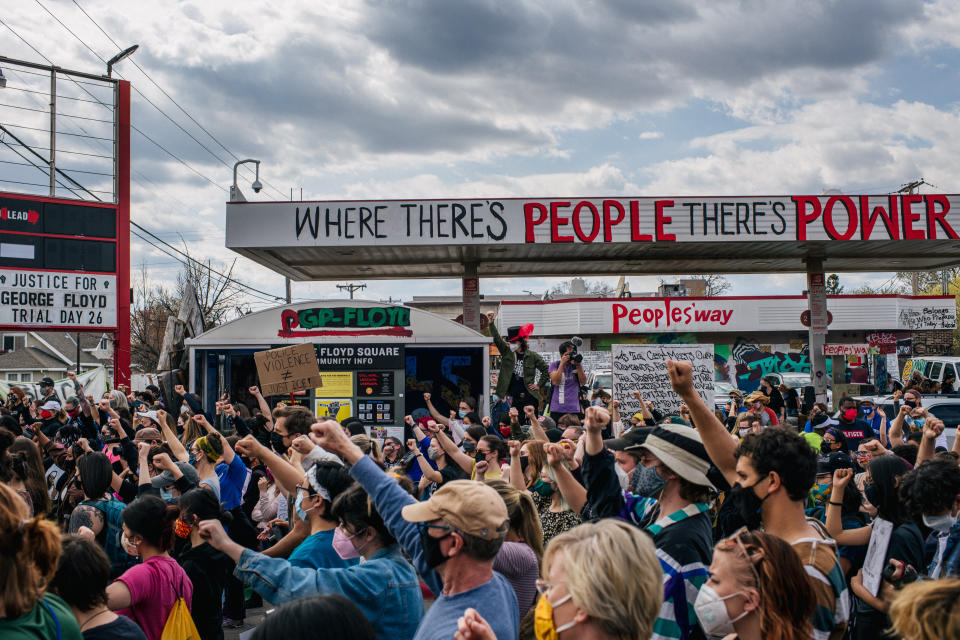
x=112 y=511
x=180 y=625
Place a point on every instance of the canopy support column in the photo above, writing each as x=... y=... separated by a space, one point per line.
x=471 y=296
x=817 y=307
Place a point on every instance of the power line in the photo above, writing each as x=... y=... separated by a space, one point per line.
x=227 y=278
x=183 y=262
x=164 y=92
x=212 y=270
x=132 y=126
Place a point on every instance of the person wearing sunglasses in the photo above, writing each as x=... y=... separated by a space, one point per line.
x=757 y=590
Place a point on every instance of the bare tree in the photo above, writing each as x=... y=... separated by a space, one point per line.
x=595 y=288
x=152 y=305
x=218 y=295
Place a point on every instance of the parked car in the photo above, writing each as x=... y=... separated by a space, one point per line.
x=946 y=408
x=600 y=380
x=934 y=367
x=721 y=394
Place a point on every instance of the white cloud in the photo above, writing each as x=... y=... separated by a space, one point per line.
x=650 y=135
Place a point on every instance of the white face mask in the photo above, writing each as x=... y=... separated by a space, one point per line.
x=941 y=524
x=514 y=346
x=712 y=611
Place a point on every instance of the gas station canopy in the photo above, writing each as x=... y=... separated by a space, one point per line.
x=398 y=239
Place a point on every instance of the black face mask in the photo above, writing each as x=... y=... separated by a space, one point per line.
x=479 y=455
x=825 y=447
x=524 y=462
x=747 y=504
x=432 y=554
x=468 y=446
x=910 y=403
x=276 y=441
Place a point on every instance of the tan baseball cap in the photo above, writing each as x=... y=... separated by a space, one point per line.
x=468 y=506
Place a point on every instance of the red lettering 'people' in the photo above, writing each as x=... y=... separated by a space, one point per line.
x=619 y=311
x=594 y=223
x=556 y=222
x=529 y=209
x=608 y=221
x=635 y=235
x=660 y=220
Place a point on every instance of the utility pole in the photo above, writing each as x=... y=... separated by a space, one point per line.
x=390 y=300
x=289 y=296
x=915 y=276
x=351 y=288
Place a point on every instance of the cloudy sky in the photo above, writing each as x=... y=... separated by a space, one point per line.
x=485 y=98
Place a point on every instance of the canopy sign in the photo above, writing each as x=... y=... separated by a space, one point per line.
x=793 y=218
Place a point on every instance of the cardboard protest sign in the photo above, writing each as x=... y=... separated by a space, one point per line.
x=642 y=367
x=288 y=369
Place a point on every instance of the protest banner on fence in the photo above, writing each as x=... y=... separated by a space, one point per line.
x=642 y=367
x=288 y=369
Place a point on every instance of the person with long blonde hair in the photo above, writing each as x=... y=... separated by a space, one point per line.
x=29 y=551
x=927 y=610
x=757 y=590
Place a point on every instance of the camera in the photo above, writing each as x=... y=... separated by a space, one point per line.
x=575 y=356
x=257 y=186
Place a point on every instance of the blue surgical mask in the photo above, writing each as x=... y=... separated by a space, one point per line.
x=298 y=507
x=167 y=494
x=191 y=459
x=462 y=413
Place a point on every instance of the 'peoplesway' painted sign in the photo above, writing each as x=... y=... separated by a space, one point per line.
x=796 y=218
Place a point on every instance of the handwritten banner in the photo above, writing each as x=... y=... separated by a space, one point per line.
x=643 y=368
x=288 y=369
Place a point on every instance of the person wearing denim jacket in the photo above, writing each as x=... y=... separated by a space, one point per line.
x=446 y=566
x=385 y=586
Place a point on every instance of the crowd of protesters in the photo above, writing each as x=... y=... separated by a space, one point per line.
x=552 y=518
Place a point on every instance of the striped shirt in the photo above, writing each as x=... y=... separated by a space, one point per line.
x=684 y=545
x=819 y=558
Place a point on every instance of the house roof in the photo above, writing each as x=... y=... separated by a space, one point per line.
x=30 y=358
x=64 y=346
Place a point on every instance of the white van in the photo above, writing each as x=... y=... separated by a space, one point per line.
x=935 y=368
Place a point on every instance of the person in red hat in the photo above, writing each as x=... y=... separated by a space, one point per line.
x=523 y=373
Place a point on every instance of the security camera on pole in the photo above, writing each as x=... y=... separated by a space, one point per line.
x=235 y=194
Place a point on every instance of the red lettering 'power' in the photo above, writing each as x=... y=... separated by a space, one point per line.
x=529 y=209
x=938 y=217
x=909 y=217
x=804 y=218
x=851 y=218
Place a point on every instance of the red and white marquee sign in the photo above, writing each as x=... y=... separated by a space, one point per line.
x=742 y=314
x=784 y=218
